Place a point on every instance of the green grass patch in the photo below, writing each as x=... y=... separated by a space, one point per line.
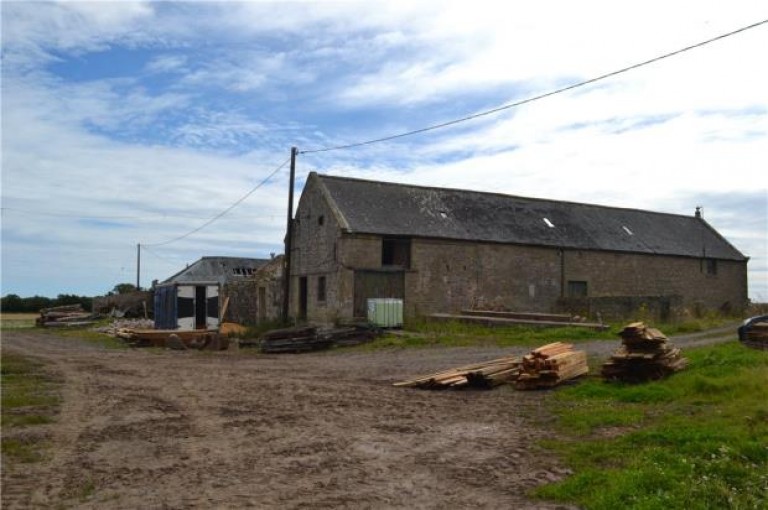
x=86 y=334
x=17 y=320
x=458 y=334
x=425 y=333
x=30 y=397
x=698 y=439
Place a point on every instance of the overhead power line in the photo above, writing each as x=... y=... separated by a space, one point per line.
x=540 y=96
x=62 y=214
x=225 y=211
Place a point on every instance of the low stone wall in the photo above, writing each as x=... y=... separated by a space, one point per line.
x=619 y=308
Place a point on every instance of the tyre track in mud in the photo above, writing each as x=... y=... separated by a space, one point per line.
x=142 y=429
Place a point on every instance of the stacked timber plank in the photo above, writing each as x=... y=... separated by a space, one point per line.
x=479 y=375
x=757 y=336
x=350 y=335
x=309 y=338
x=551 y=365
x=65 y=316
x=299 y=339
x=645 y=355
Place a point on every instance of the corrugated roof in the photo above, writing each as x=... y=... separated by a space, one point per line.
x=217 y=269
x=404 y=210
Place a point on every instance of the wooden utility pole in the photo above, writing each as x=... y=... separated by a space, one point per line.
x=138 y=266
x=288 y=241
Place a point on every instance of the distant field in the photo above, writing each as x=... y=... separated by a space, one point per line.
x=17 y=320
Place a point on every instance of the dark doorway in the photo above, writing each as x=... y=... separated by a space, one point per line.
x=200 y=307
x=303 y=298
x=377 y=284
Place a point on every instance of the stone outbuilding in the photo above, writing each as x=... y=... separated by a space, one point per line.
x=193 y=297
x=445 y=250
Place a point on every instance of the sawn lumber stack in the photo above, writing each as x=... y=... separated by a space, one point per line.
x=550 y=365
x=65 y=316
x=544 y=367
x=645 y=355
x=479 y=375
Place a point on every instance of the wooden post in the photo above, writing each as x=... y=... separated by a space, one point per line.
x=138 y=266
x=288 y=241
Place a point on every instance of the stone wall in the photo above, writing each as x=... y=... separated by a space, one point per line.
x=617 y=308
x=626 y=274
x=448 y=276
x=258 y=299
x=315 y=255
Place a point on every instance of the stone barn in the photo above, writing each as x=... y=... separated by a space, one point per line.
x=445 y=250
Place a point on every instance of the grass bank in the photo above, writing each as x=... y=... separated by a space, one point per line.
x=698 y=439
x=458 y=334
x=17 y=320
x=30 y=398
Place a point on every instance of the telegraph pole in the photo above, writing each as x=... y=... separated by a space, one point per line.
x=288 y=241
x=138 y=266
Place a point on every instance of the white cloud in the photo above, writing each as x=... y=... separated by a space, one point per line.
x=224 y=89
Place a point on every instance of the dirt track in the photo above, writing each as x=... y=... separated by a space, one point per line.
x=141 y=429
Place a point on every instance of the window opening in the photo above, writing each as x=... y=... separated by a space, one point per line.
x=321 y=288
x=396 y=251
x=577 y=288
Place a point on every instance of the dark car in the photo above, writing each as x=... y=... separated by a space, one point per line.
x=747 y=325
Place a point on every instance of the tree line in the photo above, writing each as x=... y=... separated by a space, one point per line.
x=18 y=304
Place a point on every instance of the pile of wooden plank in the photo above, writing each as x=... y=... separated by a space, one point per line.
x=479 y=375
x=309 y=338
x=65 y=316
x=645 y=355
x=299 y=339
x=551 y=365
x=757 y=336
x=355 y=334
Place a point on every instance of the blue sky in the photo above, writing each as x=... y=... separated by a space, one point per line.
x=136 y=122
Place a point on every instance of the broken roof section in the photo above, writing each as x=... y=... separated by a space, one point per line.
x=384 y=208
x=217 y=269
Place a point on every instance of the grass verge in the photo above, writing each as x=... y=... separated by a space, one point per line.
x=17 y=320
x=29 y=398
x=698 y=439
x=87 y=335
x=459 y=334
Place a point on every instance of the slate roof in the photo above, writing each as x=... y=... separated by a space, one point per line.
x=217 y=269
x=371 y=207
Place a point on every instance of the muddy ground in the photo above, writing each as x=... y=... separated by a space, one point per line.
x=149 y=429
